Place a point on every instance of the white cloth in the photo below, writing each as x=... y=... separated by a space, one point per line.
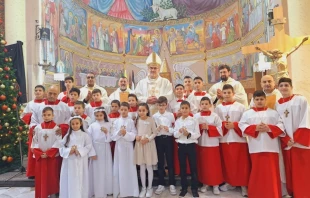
x=174 y=105
x=274 y=92
x=125 y=180
x=195 y=101
x=30 y=108
x=74 y=169
x=61 y=95
x=101 y=170
x=191 y=125
x=298 y=117
x=115 y=94
x=214 y=120
x=165 y=119
x=240 y=95
x=89 y=110
x=84 y=91
x=263 y=142
x=149 y=87
x=52 y=140
x=234 y=111
x=61 y=113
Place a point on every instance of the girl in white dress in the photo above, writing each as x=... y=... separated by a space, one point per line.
x=100 y=168
x=145 y=148
x=74 y=170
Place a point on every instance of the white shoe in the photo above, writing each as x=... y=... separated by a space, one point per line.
x=173 y=191
x=203 y=189
x=244 y=191
x=143 y=192
x=149 y=192
x=227 y=187
x=216 y=190
x=159 y=189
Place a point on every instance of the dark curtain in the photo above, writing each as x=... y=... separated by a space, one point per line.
x=15 y=51
x=194 y=7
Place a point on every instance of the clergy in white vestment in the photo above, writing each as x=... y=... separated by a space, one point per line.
x=86 y=95
x=125 y=179
x=272 y=94
x=74 y=169
x=216 y=90
x=121 y=91
x=100 y=167
x=295 y=113
x=150 y=88
x=263 y=126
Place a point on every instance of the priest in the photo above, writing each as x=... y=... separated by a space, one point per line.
x=216 y=90
x=272 y=94
x=150 y=88
x=121 y=93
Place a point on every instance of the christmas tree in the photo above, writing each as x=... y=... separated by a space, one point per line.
x=13 y=132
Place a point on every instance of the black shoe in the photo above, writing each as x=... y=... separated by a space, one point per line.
x=32 y=177
x=183 y=193
x=195 y=193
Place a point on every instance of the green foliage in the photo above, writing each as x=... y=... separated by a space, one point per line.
x=182 y=11
x=148 y=14
x=166 y=4
x=12 y=129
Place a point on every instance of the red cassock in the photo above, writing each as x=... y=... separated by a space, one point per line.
x=209 y=164
x=47 y=173
x=265 y=176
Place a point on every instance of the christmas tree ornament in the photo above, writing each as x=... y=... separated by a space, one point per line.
x=4 y=158
x=2 y=86
x=5 y=50
x=6 y=124
x=11 y=87
x=4 y=107
x=6 y=59
x=20 y=128
x=6 y=68
x=2 y=97
x=20 y=93
x=19 y=139
x=10 y=59
x=14 y=80
x=14 y=106
x=10 y=159
x=15 y=99
x=8 y=110
x=0 y=127
x=10 y=132
x=3 y=42
x=1 y=69
x=6 y=76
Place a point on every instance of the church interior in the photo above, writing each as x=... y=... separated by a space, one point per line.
x=45 y=41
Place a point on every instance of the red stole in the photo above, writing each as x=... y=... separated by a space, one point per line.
x=51 y=103
x=96 y=104
x=133 y=109
x=202 y=93
x=114 y=115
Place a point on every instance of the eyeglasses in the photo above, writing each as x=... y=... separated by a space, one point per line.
x=90 y=77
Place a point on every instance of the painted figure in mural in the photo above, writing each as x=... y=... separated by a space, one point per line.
x=63 y=24
x=215 y=43
x=192 y=37
x=106 y=40
x=129 y=44
x=83 y=31
x=100 y=37
x=213 y=72
x=158 y=36
x=280 y=58
x=139 y=46
x=210 y=29
x=115 y=43
x=67 y=63
x=236 y=24
x=94 y=36
x=223 y=32
x=52 y=46
x=231 y=33
x=172 y=41
x=155 y=45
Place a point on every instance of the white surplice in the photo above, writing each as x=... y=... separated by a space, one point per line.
x=195 y=101
x=153 y=87
x=52 y=140
x=31 y=106
x=101 y=170
x=125 y=179
x=89 y=110
x=115 y=94
x=74 y=169
x=240 y=95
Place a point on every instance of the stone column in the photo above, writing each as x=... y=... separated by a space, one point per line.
x=299 y=62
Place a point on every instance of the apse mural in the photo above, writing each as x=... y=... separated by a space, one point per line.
x=50 y=20
x=105 y=35
x=252 y=14
x=241 y=68
x=188 y=68
x=72 y=21
x=153 y=10
x=185 y=38
x=223 y=28
x=107 y=73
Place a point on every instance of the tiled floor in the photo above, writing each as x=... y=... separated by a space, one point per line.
x=25 y=192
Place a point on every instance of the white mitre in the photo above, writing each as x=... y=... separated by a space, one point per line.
x=153 y=59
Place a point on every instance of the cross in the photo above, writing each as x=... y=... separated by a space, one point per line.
x=227 y=117
x=281 y=40
x=45 y=137
x=286 y=112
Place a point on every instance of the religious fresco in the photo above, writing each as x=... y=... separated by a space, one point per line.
x=185 y=38
x=107 y=73
x=72 y=21
x=67 y=60
x=252 y=14
x=152 y=10
x=223 y=28
x=188 y=68
x=50 y=18
x=105 y=35
x=241 y=68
